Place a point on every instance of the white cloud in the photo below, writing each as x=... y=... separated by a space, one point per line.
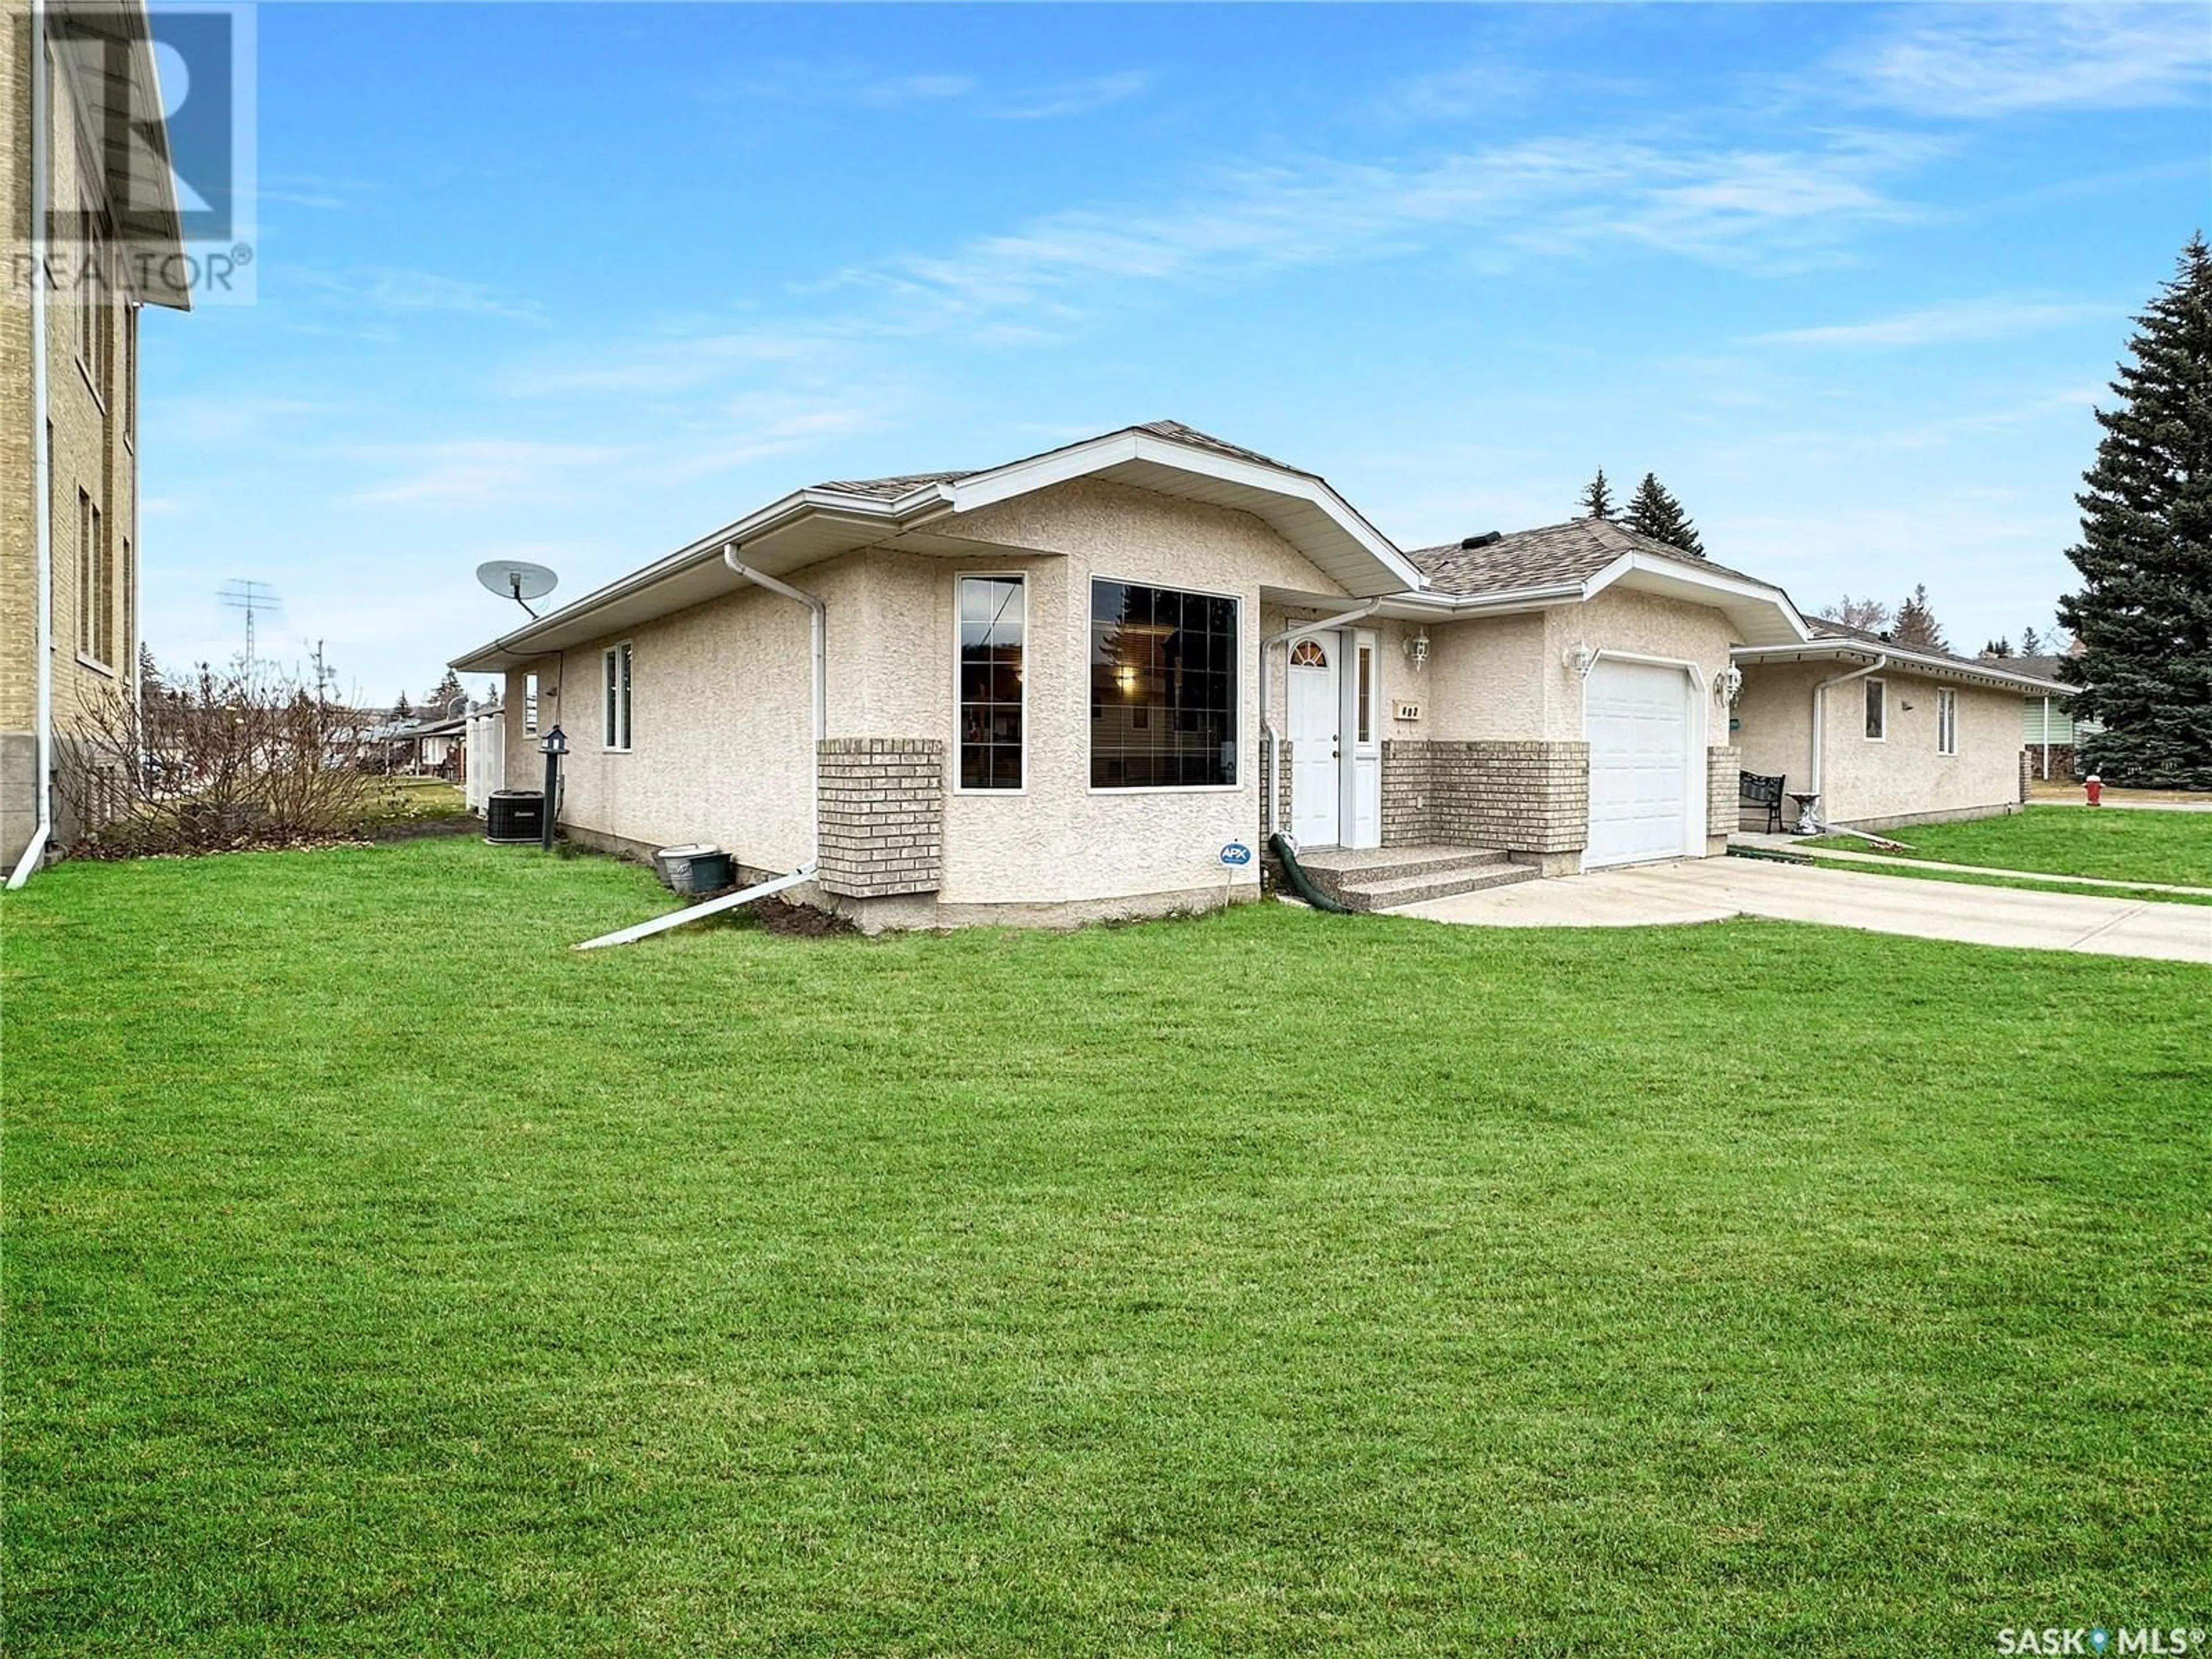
x=1993 y=60
x=1953 y=322
x=483 y=471
x=1077 y=97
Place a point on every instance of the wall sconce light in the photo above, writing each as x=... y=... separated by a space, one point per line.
x=1726 y=684
x=1124 y=679
x=1417 y=649
x=1906 y=706
x=1579 y=657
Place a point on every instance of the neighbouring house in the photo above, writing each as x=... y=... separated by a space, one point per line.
x=1884 y=735
x=1086 y=682
x=87 y=196
x=2048 y=729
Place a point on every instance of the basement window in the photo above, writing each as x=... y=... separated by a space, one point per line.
x=1877 y=710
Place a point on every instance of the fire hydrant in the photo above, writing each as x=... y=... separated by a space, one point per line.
x=2095 y=789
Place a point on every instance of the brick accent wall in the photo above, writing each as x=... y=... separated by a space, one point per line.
x=1722 y=812
x=882 y=815
x=1524 y=795
x=2026 y=774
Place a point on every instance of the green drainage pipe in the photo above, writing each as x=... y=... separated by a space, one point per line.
x=1279 y=844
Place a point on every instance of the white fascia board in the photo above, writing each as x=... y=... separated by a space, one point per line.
x=800 y=503
x=1080 y=460
x=1735 y=587
x=1905 y=660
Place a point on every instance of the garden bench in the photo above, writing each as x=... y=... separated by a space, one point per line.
x=1755 y=791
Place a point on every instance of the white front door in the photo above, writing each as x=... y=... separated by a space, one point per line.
x=1637 y=717
x=1314 y=717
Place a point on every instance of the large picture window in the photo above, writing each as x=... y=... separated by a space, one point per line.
x=1163 y=688
x=993 y=619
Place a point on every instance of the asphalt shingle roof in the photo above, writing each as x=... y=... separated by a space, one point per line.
x=1555 y=553
x=890 y=489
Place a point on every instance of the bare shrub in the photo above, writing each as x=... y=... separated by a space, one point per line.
x=223 y=761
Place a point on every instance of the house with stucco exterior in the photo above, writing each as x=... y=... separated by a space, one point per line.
x=1089 y=683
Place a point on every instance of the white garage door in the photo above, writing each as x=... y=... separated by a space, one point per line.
x=1637 y=720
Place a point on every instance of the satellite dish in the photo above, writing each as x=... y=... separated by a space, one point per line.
x=516 y=579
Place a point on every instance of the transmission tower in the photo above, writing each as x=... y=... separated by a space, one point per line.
x=252 y=598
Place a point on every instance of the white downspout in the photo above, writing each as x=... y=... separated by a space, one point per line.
x=1271 y=785
x=821 y=661
x=820 y=654
x=1820 y=709
x=42 y=513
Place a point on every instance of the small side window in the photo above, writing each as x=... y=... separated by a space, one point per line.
x=1877 y=709
x=616 y=700
x=1947 y=722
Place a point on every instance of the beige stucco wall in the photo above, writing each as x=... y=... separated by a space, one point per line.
x=721 y=750
x=721 y=745
x=1901 y=776
x=1061 y=840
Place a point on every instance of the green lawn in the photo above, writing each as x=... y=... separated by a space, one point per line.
x=385 y=1279
x=2114 y=843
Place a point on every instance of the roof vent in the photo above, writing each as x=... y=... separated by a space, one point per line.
x=1483 y=539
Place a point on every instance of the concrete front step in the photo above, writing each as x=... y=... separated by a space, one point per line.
x=1330 y=865
x=1387 y=895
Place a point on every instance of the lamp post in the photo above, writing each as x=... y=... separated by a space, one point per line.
x=552 y=745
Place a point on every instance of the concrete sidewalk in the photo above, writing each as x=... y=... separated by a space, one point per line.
x=1875 y=860
x=1712 y=890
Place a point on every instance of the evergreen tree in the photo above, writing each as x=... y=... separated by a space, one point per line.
x=149 y=672
x=2143 y=615
x=1916 y=623
x=401 y=709
x=442 y=697
x=1597 y=497
x=2031 y=643
x=1653 y=511
x=1996 y=649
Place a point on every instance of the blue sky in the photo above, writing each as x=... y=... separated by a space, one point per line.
x=576 y=283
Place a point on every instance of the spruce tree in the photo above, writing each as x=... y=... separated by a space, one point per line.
x=1597 y=497
x=2143 y=615
x=1916 y=623
x=1996 y=649
x=1653 y=511
x=2031 y=643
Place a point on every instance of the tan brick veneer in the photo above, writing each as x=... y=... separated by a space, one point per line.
x=882 y=815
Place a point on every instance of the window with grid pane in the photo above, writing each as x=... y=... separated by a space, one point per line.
x=1163 y=688
x=994 y=622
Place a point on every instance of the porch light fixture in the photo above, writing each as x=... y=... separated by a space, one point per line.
x=1726 y=684
x=1417 y=649
x=1580 y=658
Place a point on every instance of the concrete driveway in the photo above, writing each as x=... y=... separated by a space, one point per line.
x=1712 y=890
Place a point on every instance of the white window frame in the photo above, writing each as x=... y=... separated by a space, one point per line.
x=1946 y=722
x=530 y=705
x=1021 y=576
x=617 y=681
x=1237 y=600
x=1876 y=683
